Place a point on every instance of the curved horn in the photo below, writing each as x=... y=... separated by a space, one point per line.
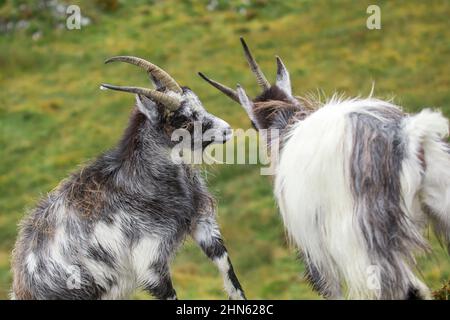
x=260 y=78
x=169 y=102
x=152 y=69
x=226 y=90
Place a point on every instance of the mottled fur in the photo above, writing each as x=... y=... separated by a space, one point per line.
x=274 y=109
x=391 y=236
x=383 y=227
x=113 y=226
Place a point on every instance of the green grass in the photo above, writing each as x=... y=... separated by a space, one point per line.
x=53 y=117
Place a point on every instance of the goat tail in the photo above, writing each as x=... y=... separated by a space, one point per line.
x=431 y=130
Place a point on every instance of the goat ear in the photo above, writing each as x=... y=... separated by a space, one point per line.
x=147 y=107
x=246 y=103
x=283 y=78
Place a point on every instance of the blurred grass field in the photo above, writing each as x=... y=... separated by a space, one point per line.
x=53 y=117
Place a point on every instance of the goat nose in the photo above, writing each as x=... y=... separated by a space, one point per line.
x=227 y=133
x=227 y=130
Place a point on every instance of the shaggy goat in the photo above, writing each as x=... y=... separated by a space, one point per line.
x=113 y=226
x=356 y=182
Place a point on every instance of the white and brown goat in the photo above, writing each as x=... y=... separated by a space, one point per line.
x=357 y=181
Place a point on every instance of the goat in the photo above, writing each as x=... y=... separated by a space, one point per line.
x=356 y=182
x=113 y=226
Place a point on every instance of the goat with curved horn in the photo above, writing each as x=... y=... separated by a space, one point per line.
x=127 y=214
x=156 y=72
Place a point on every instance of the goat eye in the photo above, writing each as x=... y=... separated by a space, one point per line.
x=186 y=126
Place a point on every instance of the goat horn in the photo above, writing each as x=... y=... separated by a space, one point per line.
x=260 y=78
x=169 y=102
x=152 y=69
x=226 y=90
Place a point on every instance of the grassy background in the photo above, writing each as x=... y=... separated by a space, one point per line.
x=53 y=117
